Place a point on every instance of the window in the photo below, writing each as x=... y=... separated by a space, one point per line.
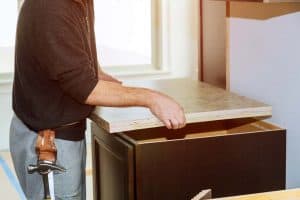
x=8 y=20
x=126 y=33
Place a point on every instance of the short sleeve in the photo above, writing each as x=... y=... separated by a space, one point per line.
x=61 y=53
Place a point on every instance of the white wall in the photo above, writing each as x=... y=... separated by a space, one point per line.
x=181 y=55
x=265 y=65
x=5 y=114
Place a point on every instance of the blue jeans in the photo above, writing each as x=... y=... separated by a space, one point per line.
x=70 y=154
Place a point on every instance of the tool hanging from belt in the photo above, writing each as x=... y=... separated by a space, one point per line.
x=46 y=163
x=47 y=154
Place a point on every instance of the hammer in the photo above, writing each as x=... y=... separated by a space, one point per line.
x=46 y=151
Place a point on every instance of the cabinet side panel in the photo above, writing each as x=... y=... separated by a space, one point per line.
x=112 y=166
x=95 y=169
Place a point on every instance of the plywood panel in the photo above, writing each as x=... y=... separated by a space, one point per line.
x=262 y=11
x=201 y=102
x=279 y=195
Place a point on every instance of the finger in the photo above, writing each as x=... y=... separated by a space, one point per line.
x=168 y=124
x=181 y=122
x=175 y=123
x=183 y=125
x=181 y=117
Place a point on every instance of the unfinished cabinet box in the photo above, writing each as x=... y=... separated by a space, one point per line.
x=230 y=156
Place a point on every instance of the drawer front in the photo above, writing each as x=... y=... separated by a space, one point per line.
x=230 y=165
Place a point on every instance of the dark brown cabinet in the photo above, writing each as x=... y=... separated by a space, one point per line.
x=231 y=157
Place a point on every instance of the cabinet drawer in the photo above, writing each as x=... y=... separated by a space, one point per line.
x=231 y=157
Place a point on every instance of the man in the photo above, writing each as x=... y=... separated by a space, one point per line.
x=56 y=86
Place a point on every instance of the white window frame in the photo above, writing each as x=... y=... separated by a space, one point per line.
x=20 y=2
x=7 y=77
x=156 y=66
x=159 y=49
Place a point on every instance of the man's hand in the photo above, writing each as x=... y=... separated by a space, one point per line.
x=106 y=77
x=168 y=111
x=113 y=94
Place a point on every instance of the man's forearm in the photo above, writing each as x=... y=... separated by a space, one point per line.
x=115 y=95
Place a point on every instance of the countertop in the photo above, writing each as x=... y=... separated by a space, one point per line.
x=201 y=102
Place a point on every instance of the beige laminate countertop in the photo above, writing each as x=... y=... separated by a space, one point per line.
x=201 y=102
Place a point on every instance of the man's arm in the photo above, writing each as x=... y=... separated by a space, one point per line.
x=66 y=61
x=115 y=95
x=106 y=77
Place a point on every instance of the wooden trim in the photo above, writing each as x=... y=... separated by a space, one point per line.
x=227 y=45
x=261 y=11
x=156 y=34
x=227 y=8
x=227 y=52
x=201 y=47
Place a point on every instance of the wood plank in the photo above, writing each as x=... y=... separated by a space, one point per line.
x=205 y=194
x=266 y=1
x=262 y=11
x=281 y=1
x=201 y=102
x=278 y=195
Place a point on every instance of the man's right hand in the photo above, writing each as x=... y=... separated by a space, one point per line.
x=113 y=94
x=167 y=110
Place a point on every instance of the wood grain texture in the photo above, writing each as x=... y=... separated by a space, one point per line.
x=201 y=102
x=279 y=195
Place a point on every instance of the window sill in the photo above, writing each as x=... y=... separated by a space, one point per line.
x=7 y=78
x=137 y=74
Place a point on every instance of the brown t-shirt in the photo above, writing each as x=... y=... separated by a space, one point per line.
x=55 y=65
